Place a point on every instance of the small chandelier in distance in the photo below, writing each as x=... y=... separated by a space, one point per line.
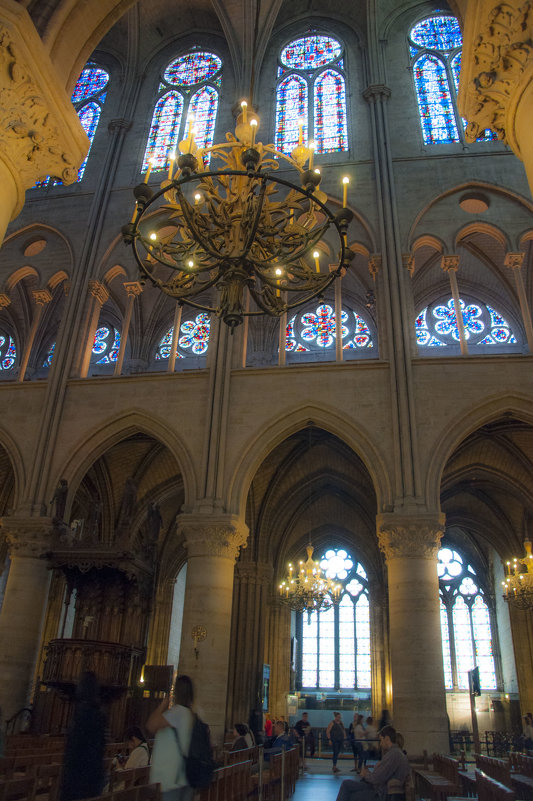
x=518 y=582
x=226 y=219
x=309 y=590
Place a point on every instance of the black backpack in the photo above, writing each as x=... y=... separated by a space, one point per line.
x=199 y=765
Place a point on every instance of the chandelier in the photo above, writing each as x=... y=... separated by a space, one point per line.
x=518 y=582
x=308 y=590
x=226 y=219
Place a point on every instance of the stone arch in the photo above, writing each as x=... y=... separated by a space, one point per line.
x=99 y=440
x=278 y=430
x=462 y=426
x=489 y=229
x=17 y=464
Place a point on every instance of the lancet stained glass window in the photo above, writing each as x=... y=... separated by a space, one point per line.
x=88 y=98
x=8 y=351
x=188 y=90
x=465 y=623
x=106 y=345
x=192 y=341
x=317 y=330
x=334 y=645
x=436 y=325
x=435 y=48
x=311 y=88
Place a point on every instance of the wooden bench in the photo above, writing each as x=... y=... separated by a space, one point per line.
x=146 y=792
x=495 y=768
x=489 y=789
x=433 y=784
x=522 y=774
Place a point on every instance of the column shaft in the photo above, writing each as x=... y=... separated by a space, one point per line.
x=175 y=337
x=98 y=295
x=41 y=297
x=133 y=288
x=338 y=321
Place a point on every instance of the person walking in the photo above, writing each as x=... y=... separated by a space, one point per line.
x=171 y=747
x=356 y=734
x=336 y=735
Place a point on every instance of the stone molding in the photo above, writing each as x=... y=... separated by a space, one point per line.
x=514 y=260
x=133 y=288
x=377 y=91
x=256 y=572
x=4 y=300
x=374 y=264
x=28 y=537
x=408 y=263
x=41 y=297
x=98 y=291
x=450 y=262
x=222 y=536
x=497 y=64
x=40 y=133
x=412 y=537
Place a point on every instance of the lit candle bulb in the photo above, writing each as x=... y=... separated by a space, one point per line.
x=345 y=182
x=149 y=170
x=278 y=272
x=244 y=106
x=311 y=154
x=197 y=198
x=171 y=157
x=300 y=131
x=153 y=236
x=253 y=124
x=316 y=256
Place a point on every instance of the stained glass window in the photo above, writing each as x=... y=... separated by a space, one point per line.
x=49 y=355
x=435 y=48
x=334 y=645
x=8 y=351
x=465 y=623
x=311 y=88
x=189 y=86
x=436 y=325
x=106 y=345
x=316 y=330
x=88 y=98
x=193 y=339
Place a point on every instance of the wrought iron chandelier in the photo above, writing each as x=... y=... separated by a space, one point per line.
x=518 y=582
x=309 y=589
x=227 y=219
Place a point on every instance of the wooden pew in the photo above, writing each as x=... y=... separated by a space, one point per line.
x=488 y=789
x=17 y=790
x=433 y=784
x=497 y=769
x=522 y=775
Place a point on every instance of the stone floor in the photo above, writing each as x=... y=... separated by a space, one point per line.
x=319 y=783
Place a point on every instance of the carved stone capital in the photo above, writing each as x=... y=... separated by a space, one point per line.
x=213 y=536
x=4 y=300
x=98 y=291
x=254 y=572
x=41 y=297
x=27 y=537
x=410 y=537
x=40 y=133
x=450 y=262
x=374 y=264
x=496 y=65
x=375 y=92
x=514 y=260
x=133 y=288
x=119 y=124
x=408 y=262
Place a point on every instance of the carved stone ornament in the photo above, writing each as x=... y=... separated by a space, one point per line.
x=98 y=291
x=450 y=262
x=213 y=537
x=412 y=538
x=493 y=72
x=374 y=264
x=408 y=262
x=254 y=572
x=27 y=537
x=40 y=133
x=514 y=260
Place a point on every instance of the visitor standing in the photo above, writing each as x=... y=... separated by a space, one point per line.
x=336 y=735
x=303 y=731
x=356 y=734
x=371 y=737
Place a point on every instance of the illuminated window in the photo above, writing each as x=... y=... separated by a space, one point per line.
x=435 y=47
x=8 y=352
x=88 y=98
x=436 y=325
x=106 y=345
x=316 y=330
x=192 y=341
x=465 y=623
x=49 y=355
x=188 y=90
x=311 y=88
x=334 y=645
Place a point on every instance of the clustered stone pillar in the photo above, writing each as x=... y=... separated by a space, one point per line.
x=450 y=265
x=419 y=702
x=514 y=262
x=41 y=298
x=22 y=614
x=133 y=290
x=212 y=547
x=278 y=656
x=98 y=295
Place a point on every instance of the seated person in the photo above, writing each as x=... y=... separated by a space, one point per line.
x=280 y=742
x=240 y=741
x=139 y=753
x=373 y=784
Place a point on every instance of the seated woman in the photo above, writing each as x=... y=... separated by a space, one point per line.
x=239 y=731
x=139 y=753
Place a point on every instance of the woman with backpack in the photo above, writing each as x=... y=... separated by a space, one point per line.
x=172 y=726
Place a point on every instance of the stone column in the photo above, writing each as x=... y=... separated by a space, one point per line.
x=40 y=133
x=212 y=544
x=411 y=544
x=41 y=298
x=133 y=290
x=515 y=261
x=98 y=295
x=23 y=609
x=496 y=86
x=175 y=337
x=450 y=265
x=278 y=655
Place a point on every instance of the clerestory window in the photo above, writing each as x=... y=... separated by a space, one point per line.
x=436 y=326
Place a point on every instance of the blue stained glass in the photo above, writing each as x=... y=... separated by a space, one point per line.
x=318 y=328
x=89 y=117
x=446 y=655
x=204 y=106
x=291 y=106
x=192 y=69
x=196 y=334
x=291 y=345
x=437 y=33
x=106 y=345
x=434 y=101
x=50 y=355
x=322 y=326
x=362 y=337
x=483 y=326
x=164 y=130
x=331 y=132
x=447 y=319
x=310 y=52
x=8 y=352
x=90 y=83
